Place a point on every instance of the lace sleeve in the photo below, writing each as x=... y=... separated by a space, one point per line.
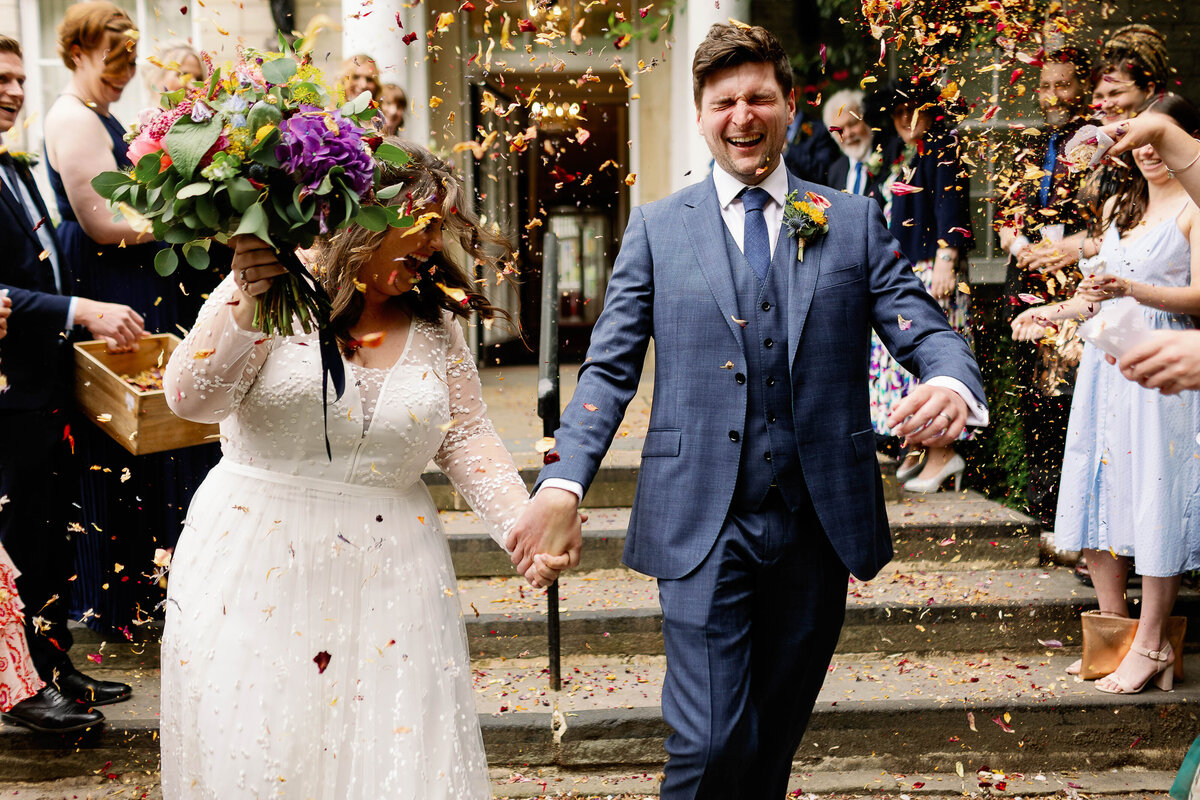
x=211 y=371
x=472 y=455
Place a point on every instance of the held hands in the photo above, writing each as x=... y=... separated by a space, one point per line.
x=548 y=537
x=118 y=325
x=255 y=267
x=930 y=416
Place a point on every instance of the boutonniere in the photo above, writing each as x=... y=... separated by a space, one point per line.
x=874 y=163
x=22 y=159
x=805 y=219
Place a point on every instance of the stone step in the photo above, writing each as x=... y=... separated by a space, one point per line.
x=614 y=484
x=945 y=530
x=616 y=612
x=895 y=713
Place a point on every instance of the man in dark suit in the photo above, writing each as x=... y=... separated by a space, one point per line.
x=867 y=154
x=810 y=149
x=1037 y=206
x=35 y=438
x=759 y=489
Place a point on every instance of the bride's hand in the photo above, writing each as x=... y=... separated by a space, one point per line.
x=255 y=267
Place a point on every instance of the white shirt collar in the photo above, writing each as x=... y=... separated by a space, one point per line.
x=775 y=184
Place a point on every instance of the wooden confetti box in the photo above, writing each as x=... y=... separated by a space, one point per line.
x=139 y=420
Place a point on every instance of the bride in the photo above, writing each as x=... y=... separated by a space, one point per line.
x=314 y=643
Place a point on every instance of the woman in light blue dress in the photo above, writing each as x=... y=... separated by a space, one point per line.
x=1131 y=471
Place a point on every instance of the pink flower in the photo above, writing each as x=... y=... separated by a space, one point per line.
x=142 y=145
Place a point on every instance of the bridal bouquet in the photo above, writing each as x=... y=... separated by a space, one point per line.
x=256 y=150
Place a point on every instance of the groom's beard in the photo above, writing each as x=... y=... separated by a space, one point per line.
x=858 y=151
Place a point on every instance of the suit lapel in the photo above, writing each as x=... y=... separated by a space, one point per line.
x=804 y=279
x=706 y=231
x=17 y=211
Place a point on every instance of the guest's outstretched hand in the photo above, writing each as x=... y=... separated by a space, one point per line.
x=1169 y=361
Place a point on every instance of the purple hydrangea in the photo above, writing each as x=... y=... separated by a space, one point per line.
x=308 y=150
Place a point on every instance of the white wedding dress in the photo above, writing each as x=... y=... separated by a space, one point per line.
x=314 y=644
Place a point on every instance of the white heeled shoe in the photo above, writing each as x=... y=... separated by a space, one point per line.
x=955 y=468
x=903 y=473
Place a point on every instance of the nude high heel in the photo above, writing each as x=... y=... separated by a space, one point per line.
x=955 y=468
x=1164 y=678
x=903 y=473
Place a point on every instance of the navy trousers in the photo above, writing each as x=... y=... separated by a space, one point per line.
x=749 y=636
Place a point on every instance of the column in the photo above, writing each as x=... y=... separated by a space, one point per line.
x=697 y=16
x=369 y=26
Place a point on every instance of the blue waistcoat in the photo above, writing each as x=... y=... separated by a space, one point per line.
x=770 y=455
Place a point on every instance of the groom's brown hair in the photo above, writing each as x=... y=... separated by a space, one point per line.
x=733 y=45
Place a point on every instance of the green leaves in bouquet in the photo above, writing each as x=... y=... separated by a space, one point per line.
x=106 y=184
x=165 y=261
x=391 y=154
x=196 y=253
x=280 y=70
x=359 y=110
x=255 y=222
x=188 y=142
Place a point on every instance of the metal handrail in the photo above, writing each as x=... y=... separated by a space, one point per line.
x=549 y=408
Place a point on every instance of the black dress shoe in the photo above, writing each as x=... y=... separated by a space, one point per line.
x=50 y=712
x=92 y=692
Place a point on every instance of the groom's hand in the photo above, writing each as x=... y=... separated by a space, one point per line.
x=930 y=416
x=551 y=526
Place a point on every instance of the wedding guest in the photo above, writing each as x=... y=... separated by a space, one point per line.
x=360 y=74
x=1170 y=360
x=36 y=472
x=393 y=103
x=172 y=67
x=810 y=149
x=291 y=557
x=1131 y=471
x=927 y=206
x=132 y=504
x=1036 y=201
x=1132 y=70
x=865 y=158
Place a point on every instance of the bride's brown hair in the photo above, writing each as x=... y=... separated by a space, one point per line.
x=426 y=179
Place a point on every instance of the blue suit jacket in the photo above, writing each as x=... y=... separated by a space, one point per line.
x=672 y=281
x=35 y=356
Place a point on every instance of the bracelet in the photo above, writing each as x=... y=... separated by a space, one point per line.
x=1191 y=163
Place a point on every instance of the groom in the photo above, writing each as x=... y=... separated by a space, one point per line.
x=759 y=489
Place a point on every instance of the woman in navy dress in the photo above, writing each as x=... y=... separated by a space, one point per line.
x=132 y=504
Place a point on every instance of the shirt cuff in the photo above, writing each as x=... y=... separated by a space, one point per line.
x=71 y=314
x=1018 y=244
x=977 y=412
x=562 y=483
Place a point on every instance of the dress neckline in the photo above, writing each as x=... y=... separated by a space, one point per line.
x=1173 y=218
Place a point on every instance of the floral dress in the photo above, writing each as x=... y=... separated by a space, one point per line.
x=18 y=679
x=890 y=382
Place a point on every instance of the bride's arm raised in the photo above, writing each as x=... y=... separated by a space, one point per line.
x=472 y=455
x=219 y=359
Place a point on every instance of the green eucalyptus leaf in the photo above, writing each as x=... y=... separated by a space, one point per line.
x=388 y=192
x=254 y=222
x=148 y=167
x=357 y=105
x=197 y=253
x=108 y=182
x=279 y=70
x=187 y=142
x=177 y=235
x=206 y=209
x=242 y=194
x=373 y=218
x=391 y=154
x=194 y=190
x=165 y=261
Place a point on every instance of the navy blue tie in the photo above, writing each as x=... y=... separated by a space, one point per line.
x=756 y=244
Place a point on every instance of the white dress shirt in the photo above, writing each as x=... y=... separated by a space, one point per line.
x=734 y=216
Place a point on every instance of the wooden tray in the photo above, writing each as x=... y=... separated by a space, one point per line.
x=140 y=421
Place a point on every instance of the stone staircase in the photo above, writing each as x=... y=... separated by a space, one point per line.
x=949 y=671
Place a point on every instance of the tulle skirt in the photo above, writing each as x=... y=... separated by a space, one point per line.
x=314 y=646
